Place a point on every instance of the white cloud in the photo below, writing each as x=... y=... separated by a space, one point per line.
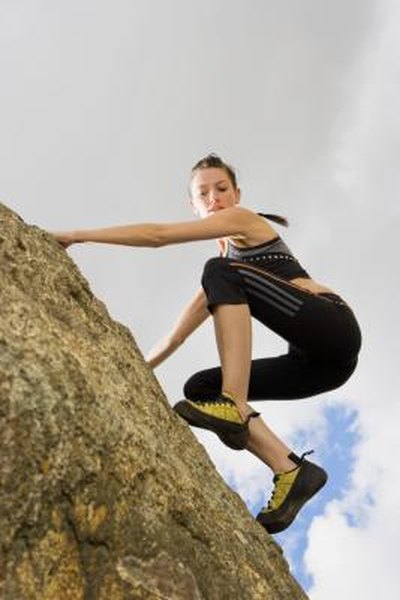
x=351 y=561
x=360 y=557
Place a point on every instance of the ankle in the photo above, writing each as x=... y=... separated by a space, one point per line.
x=235 y=397
x=284 y=464
x=239 y=401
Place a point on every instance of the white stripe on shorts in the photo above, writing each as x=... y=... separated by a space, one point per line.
x=272 y=294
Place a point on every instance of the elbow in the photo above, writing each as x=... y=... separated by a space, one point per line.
x=158 y=238
x=148 y=236
x=156 y=243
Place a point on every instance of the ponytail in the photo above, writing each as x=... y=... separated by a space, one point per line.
x=281 y=220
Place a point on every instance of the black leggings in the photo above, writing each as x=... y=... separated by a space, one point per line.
x=323 y=335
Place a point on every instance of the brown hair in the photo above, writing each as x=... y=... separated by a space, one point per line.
x=214 y=161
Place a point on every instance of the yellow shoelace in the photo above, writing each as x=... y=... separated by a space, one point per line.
x=221 y=410
x=283 y=482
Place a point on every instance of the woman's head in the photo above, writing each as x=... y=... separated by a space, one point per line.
x=214 y=161
x=212 y=186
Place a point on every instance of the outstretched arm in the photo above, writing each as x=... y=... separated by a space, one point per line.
x=230 y=221
x=192 y=316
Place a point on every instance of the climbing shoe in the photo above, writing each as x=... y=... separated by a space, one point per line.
x=220 y=415
x=292 y=490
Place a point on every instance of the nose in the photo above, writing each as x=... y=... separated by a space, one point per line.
x=213 y=198
x=213 y=205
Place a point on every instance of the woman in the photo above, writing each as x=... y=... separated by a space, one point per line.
x=255 y=275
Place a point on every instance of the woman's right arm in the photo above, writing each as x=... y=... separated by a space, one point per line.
x=192 y=316
x=230 y=221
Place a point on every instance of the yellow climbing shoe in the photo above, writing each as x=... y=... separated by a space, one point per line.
x=292 y=490
x=218 y=414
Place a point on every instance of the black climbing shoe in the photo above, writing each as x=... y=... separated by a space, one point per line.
x=220 y=415
x=292 y=490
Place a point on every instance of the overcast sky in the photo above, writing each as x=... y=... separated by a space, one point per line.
x=104 y=108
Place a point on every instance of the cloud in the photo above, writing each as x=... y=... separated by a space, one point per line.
x=103 y=112
x=355 y=561
x=363 y=528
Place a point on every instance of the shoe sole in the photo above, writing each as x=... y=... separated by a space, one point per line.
x=305 y=486
x=234 y=433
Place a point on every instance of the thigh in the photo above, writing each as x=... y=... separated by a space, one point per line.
x=288 y=377
x=325 y=329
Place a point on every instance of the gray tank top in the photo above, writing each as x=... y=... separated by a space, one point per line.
x=273 y=256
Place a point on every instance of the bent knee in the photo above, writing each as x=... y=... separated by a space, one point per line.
x=203 y=384
x=214 y=265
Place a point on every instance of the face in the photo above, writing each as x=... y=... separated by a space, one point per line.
x=212 y=190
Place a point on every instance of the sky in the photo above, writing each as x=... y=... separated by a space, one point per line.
x=105 y=107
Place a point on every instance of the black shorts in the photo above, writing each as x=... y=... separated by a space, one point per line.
x=323 y=335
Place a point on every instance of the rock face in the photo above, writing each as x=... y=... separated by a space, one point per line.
x=105 y=492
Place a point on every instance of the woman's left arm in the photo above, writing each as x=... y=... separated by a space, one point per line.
x=229 y=221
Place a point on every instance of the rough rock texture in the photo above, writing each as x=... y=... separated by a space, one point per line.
x=105 y=492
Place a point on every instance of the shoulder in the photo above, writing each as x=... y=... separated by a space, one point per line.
x=241 y=210
x=240 y=221
x=236 y=219
x=230 y=221
x=252 y=228
x=239 y=214
x=245 y=217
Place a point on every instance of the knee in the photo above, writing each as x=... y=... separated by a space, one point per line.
x=189 y=387
x=213 y=267
x=347 y=371
x=193 y=387
x=203 y=384
x=222 y=283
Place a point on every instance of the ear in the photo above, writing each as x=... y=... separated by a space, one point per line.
x=238 y=192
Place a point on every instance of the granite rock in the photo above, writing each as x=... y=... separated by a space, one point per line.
x=104 y=491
